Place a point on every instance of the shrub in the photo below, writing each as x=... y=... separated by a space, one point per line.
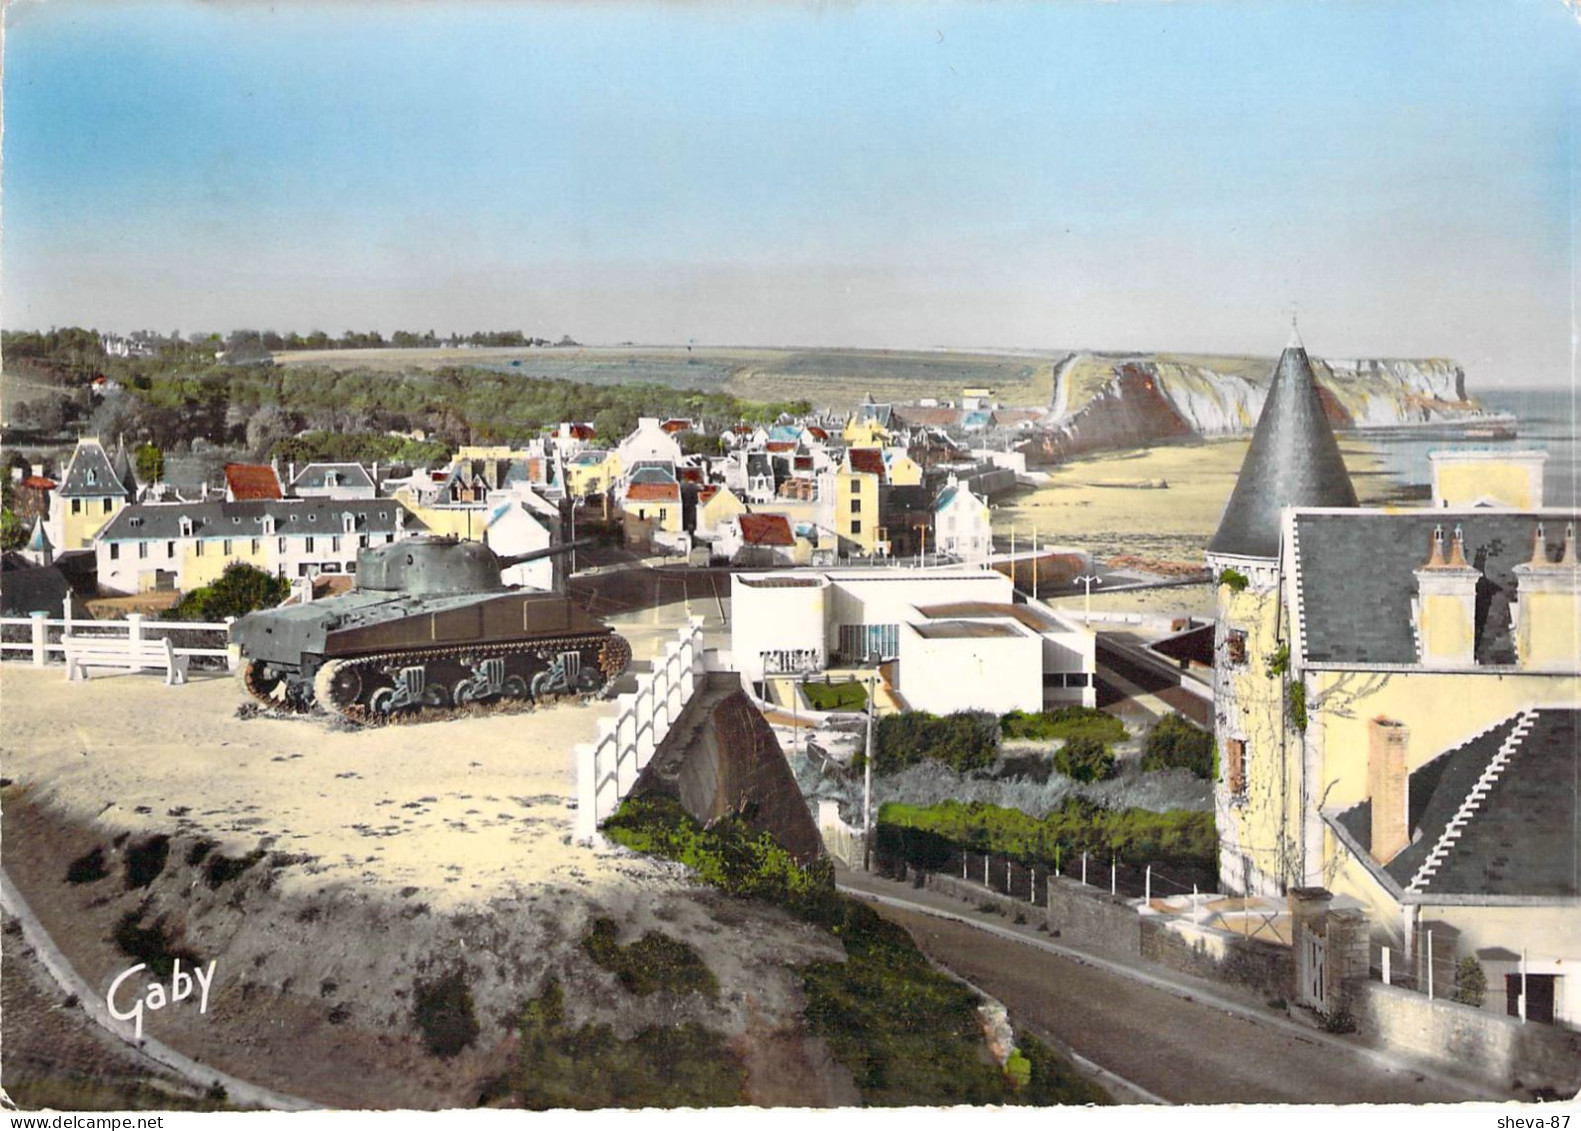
x=1084 y=758
x=444 y=1015
x=653 y=962
x=1471 y=984
x=222 y=868
x=1018 y=1069
x=1174 y=742
x=1234 y=580
x=241 y=589
x=152 y=944
x=1066 y=722
x=145 y=860
x=965 y=740
x=1297 y=697
x=88 y=867
x=1279 y=662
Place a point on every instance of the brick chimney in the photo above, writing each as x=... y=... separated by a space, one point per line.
x=1445 y=607
x=1386 y=786
x=1548 y=605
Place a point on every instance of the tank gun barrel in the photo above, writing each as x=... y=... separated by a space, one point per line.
x=506 y=561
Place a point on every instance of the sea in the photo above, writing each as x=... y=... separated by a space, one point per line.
x=1545 y=419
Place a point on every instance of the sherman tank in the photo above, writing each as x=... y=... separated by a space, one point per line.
x=430 y=625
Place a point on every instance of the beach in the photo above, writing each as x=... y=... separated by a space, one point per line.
x=1152 y=510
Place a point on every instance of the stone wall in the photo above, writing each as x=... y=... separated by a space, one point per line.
x=1261 y=966
x=1089 y=916
x=1503 y=1049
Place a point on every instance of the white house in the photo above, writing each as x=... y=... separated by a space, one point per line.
x=650 y=444
x=961 y=523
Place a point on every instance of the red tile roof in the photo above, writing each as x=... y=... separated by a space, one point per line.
x=690 y=474
x=817 y=433
x=39 y=483
x=580 y=431
x=869 y=460
x=654 y=493
x=781 y=445
x=252 y=481
x=766 y=530
x=676 y=424
x=707 y=493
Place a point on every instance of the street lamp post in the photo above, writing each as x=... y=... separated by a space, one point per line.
x=867 y=785
x=1089 y=580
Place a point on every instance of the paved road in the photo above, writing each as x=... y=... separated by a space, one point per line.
x=1181 y=1049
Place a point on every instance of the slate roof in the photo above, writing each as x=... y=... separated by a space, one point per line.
x=766 y=530
x=90 y=473
x=589 y=458
x=1355 y=578
x=1293 y=461
x=252 y=481
x=244 y=518
x=27 y=588
x=1518 y=840
x=935 y=416
x=758 y=464
x=316 y=475
x=881 y=413
x=652 y=473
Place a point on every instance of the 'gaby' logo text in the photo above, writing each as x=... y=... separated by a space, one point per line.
x=154 y=998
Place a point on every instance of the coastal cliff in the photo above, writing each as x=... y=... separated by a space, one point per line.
x=1128 y=400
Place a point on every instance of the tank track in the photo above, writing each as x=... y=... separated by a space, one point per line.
x=614 y=653
x=273 y=696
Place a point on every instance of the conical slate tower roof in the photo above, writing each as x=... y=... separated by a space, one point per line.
x=1294 y=461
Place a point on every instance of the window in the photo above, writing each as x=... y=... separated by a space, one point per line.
x=107 y=506
x=199 y=549
x=1235 y=646
x=226 y=548
x=76 y=506
x=115 y=551
x=1235 y=765
x=856 y=506
x=142 y=550
x=362 y=541
x=257 y=545
x=282 y=545
x=309 y=547
x=334 y=544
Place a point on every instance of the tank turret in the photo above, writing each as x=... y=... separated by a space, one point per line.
x=431 y=626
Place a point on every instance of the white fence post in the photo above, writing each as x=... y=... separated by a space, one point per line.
x=65 y=615
x=1386 y=980
x=40 y=637
x=134 y=627
x=233 y=652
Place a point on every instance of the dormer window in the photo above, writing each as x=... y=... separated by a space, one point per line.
x=186 y=526
x=312 y=518
x=91 y=478
x=236 y=520
x=348 y=522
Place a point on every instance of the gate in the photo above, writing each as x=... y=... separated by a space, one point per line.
x=1312 y=969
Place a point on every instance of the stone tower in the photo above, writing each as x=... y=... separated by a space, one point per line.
x=1293 y=461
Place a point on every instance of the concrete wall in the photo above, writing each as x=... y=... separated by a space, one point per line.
x=943 y=674
x=1262 y=966
x=1469 y=1040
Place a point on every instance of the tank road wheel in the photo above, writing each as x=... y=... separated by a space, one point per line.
x=338 y=686
x=435 y=695
x=379 y=702
x=462 y=695
x=540 y=685
x=515 y=687
x=589 y=680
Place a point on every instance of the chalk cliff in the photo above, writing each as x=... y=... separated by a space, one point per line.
x=1116 y=400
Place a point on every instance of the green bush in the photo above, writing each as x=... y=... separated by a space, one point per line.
x=238 y=591
x=1471 y=984
x=444 y=1014
x=848 y=695
x=1179 y=836
x=965 y=740
x=654 y=962
x=1066 y=722
x=1233 y=579
x=587 y=1067
x=1297 y=696
x=1173 y=742
x=1084 y=758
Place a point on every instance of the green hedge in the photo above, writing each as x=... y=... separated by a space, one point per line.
x=965 y=740
x=1174 y=742
x=1132 y=835
x=1066 y=722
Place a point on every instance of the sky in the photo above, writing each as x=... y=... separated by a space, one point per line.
x=1132 y=175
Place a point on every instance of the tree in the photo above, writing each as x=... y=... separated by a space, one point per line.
x=614 y=424
x=1084 y=759
x=1471 y=984
x=241 y=589
x=13 y=531
x=150 y=463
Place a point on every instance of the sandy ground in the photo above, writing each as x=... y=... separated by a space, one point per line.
x=1115 y=504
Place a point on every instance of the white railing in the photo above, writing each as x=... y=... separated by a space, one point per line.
x=607 y=767
x=41 y=648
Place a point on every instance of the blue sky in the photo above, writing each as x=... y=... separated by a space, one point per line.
x=1107 y=175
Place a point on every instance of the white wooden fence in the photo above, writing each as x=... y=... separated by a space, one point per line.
x=607 y=768
x=43 y=646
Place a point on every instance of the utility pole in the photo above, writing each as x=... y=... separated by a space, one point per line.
x=1034 y=563
x=1090 y=580
x=867 y=785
